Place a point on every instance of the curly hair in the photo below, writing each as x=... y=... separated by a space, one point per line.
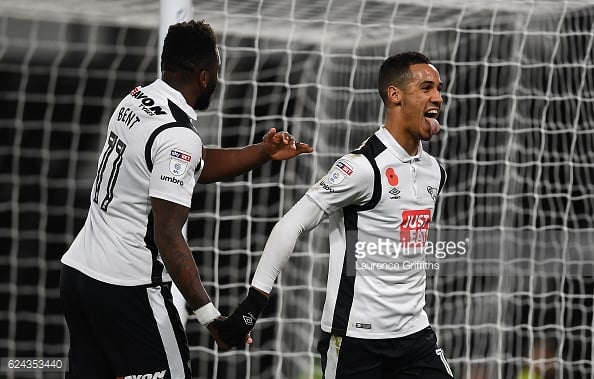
x=190 y=45
x=395 y=71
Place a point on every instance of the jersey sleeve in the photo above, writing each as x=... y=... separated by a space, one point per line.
x=176 y=155
x=348 y=182
x=302 y=217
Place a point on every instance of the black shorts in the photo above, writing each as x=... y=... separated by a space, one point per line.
x=119 y=331
x=413 y=356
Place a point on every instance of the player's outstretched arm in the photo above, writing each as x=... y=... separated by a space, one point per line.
x=225 y=163
x=304 y=216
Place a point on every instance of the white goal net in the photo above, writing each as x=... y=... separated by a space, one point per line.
x=517 y=143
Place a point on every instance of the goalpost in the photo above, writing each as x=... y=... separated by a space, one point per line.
x=517 y=142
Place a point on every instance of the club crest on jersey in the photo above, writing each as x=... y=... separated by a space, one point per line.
x=179 y=162
x=340 y=171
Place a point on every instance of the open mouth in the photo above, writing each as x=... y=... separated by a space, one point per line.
x=432 y=113
x=431 y=119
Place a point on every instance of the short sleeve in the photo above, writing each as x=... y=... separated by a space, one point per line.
x=176 y=155
x=348 y=182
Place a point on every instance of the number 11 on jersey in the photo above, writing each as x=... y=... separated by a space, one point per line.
x=113 y=143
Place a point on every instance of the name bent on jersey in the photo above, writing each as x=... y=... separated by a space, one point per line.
x=380 y=202
x=152 y=150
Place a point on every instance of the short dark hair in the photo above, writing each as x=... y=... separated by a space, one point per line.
x=189 y=45
x=395 y=70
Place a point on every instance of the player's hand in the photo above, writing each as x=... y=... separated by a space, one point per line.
x=215 y=333
x=230 y=334
x=282 y=145
x=235 y=330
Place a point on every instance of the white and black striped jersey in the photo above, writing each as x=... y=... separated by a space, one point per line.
x=152 y=150
x=379 y=201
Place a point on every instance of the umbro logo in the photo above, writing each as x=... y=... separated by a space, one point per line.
x=248 y=320
x=395 y=193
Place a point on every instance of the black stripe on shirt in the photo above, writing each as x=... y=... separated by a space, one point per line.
x=178 y=329
x=181 y=121
x=149 y=241
x=346 y=289
x=442 y=178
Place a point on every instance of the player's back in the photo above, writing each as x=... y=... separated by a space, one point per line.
x=151 y=149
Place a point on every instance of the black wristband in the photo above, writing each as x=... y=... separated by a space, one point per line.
x=236 y=327
x=250 y=309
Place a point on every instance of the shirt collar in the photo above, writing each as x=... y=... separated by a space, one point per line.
x=175 y=96
x=394 y=147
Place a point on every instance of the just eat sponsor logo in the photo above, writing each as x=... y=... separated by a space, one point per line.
x=415 y=226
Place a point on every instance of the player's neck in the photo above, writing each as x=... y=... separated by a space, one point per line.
x=180 y=84
x=408 y=141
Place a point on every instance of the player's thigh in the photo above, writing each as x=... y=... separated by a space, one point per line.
x=349 y=358
x=425 y=359
x=86 y=358
x=140 y=330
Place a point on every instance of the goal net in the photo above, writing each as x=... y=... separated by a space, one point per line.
x=517 y=143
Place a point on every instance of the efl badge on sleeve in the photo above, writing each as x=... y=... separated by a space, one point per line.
x=179 y=162
x=340 y=171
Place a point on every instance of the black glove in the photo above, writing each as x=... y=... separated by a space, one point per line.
x=234 y=330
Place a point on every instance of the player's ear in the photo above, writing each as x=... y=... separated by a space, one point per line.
x=203 y=78
x=393 y=94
